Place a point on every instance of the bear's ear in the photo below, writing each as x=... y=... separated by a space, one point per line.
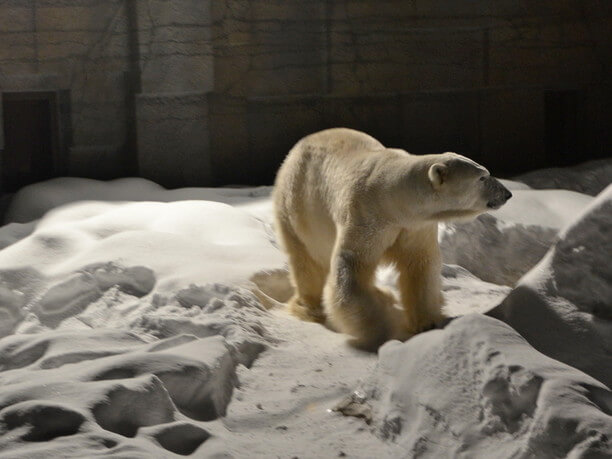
x=437 y=174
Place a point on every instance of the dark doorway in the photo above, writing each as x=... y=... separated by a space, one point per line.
x=31 y=138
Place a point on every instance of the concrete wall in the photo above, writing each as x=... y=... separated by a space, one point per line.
x=176 y=71
x=224 y=88
x=80 y=46
x=476 y=77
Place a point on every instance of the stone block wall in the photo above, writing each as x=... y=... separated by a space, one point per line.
x=488 y=79
x=226 y=87
x=175 y=72
x=79 y=46
x=173 y=138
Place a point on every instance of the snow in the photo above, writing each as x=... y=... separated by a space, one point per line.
x=149 y=323
x=33 y=201
x=570 y=291
x=477 y=389
x=182 y=242
x=13 y=232
x=502 y=245
x=589 y=178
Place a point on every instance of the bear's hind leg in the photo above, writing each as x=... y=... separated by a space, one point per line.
x=306 y=276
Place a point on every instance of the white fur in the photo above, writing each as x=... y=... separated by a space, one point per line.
x=344 y=203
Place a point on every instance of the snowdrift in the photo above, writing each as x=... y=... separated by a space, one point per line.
x=81 y=251
x=132 y=329
x=33 y=201
x=140 y=390
x=125 y=324
x=478 y=388
x=503 y=245
x=589 y=178
x=563 y=307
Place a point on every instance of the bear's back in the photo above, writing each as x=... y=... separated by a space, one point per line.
x=316 y=184
x=339 y=142
x=322 y=169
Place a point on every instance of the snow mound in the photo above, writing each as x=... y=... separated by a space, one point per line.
x=478 y=389
x=83 y=251
x=13 y=232
x=503 y=245
x=588 y=178
x=563 y=307
x=33 y=201
x=152 y=392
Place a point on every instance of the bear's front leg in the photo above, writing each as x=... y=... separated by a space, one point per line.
x=354 y=304
x=419 y=263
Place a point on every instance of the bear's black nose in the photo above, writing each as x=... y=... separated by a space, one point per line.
x=507 y=195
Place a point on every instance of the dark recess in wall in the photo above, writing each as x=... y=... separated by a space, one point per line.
x=564 y=130
x=31 y=138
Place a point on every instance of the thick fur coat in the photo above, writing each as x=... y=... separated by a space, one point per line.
x=344 y=203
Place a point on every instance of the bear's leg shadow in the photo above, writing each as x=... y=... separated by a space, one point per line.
x=418 y=260
x=307 y=278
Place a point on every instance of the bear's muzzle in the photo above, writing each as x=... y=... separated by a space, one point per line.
x=500 y=193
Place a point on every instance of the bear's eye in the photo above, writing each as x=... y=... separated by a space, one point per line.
x=483 y=178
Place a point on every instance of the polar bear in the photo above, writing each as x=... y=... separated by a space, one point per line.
x=344 y=203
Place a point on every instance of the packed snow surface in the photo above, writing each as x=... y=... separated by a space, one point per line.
x=142 y=322
x=502 y=245
x=34 y=201
x=478 y=389
x=563 y=307
x=589 y=178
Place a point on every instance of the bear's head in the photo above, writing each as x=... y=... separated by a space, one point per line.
x=463 y=189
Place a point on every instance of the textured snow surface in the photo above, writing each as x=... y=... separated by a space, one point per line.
x=503 y=245
x=478 y=389
x=144 y=388
x=34 y=201
x=563 y=307
x=79 y=252
x=590 y=177
x=138 y=329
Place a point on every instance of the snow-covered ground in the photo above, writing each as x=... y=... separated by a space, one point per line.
x=590 y=177
x=484 y=388
x=142 y=322
x=521 y=232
